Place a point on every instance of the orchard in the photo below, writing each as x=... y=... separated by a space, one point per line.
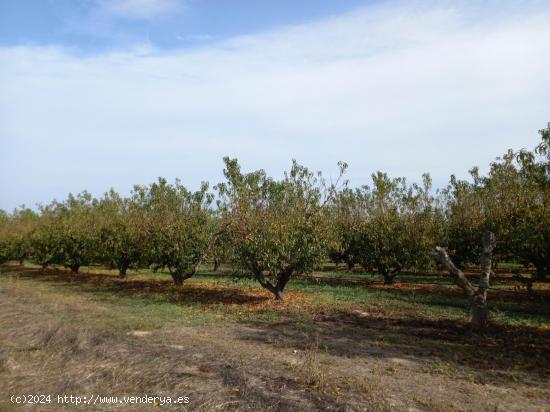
x=276 y=230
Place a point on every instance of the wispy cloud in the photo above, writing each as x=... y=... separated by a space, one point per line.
x=196 y=37
x=120 y=23
x=398 y=88
x=138 y=9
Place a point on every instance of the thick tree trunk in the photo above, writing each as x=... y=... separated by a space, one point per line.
x=122 y=271
x=217 y=262
x=178 y=278
x=476 y=298
x=351 y=264
x=479 y=313
x=282 y=279
x=279 y=295
x=277 y=290
x=389 y=276
x=74 y=267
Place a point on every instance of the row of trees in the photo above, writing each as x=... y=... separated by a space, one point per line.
x=388 y=227
x=162 y=225
x=391 y=226
x=275 y=229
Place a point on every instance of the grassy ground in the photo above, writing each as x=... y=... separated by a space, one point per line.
x=228 y=345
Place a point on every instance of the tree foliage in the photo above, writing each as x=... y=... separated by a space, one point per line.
x=77 y=225
x=398 y=225
x=178 y=225
x=122 y=232
x=45 y=239
x=278 y=228
x=512 y=201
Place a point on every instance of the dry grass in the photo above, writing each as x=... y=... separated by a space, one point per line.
x=231 y=347
x=80 y=354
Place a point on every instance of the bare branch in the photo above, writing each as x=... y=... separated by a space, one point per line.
x=333 y=188
x=440 y=256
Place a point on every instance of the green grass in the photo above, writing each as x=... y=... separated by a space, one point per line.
x=536 y=313
x=135 y=312
x=175 y=304
x=306 y=327
x=443 y=280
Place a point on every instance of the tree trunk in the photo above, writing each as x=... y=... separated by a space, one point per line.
x=216 y=264
x=74 y=267
x=277 y=290
x=479 y=312
x=44 y=266
x=476 y=298
x=388 y=278
x=351 y=265
x=540 y=271
x=279 y=295
x=122 y=271
x=282 y=279
x=178 y=278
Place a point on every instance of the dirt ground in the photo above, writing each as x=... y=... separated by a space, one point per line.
x=60 y=342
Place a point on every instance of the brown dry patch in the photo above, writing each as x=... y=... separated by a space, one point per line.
x=501 y=355
x=206 y=293
x=56 y=341
x=80 y=355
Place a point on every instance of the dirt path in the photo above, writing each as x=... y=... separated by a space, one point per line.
x=56 y=342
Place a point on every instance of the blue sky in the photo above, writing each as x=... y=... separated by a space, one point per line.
x=98 y=93
x=94 y=26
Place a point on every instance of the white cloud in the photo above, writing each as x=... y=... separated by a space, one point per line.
x=401 y=89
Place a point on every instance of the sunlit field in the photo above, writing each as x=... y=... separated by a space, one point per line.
x=324 y=347
x=279 y=206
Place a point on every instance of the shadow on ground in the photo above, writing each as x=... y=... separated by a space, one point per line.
x=156 y=290
x=501 y=354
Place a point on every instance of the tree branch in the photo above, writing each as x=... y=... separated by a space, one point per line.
x=209 y=246
x=440 y=256
x=477 y=298
x=486 y=261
